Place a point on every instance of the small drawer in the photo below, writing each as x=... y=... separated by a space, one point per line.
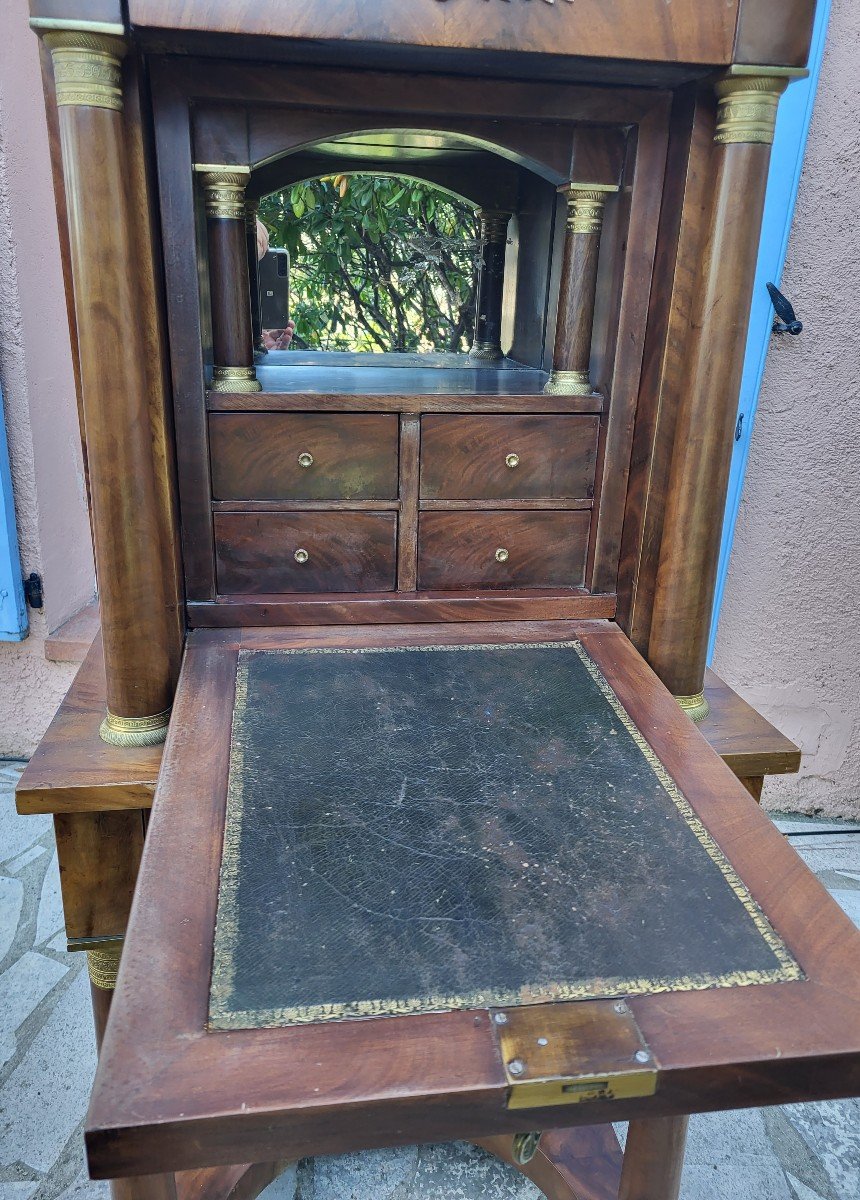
x=303 y=456
x=501 y=549
x=305 y=552
x=508 y=458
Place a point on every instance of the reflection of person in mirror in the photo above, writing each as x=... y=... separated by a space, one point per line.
x=273 y=339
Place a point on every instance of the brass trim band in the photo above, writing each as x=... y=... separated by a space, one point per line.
x=486 y=351
x=696 y=707
x=134 y=731
x=103 y=967
x=224 y=187
x=235 y=379
x=747 y=103
x=493 y=227
x=585 y=203
x=87 y=70
x=568 y=383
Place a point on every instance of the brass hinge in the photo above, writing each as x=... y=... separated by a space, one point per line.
x=573 y=1052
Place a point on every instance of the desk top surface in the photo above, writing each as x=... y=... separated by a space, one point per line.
x=421 y=829
x=709 y=891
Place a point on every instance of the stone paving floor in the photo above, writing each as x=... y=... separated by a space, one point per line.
x=47 y=1061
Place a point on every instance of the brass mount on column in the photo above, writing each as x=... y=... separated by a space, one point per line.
x=103 y=966
x=570 y=373
x=747 y=103
x=232 y=336
x=87 y=69
x=493 y=237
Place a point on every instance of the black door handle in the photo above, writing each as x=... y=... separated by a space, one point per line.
x=787 y=322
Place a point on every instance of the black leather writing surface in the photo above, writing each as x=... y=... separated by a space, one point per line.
x=410 y=830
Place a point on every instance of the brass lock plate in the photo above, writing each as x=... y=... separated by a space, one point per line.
x=571 y=1053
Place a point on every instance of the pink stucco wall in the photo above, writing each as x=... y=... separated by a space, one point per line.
x=38 y=391
x=789 y=631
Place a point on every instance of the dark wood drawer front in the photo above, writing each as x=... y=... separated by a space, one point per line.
x=507 y=458
x=305 y=552
x=501 y=549
x=303 y=456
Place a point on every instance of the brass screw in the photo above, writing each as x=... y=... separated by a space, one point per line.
x=501 y=554
x=306 y=460
x=301 y=556
x=512 y=460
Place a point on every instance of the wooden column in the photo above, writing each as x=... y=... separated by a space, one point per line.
x=575 y=320
x=251 y=209
x=229 y=285
x=747 y=103
x=487 y=343
x=653 y=1159
x=103 y=966
x=140 y=630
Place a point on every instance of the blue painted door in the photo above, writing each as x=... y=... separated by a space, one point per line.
x=789 y=143
x=13 y=610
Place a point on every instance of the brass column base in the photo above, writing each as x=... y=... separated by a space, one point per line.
x=103 y=966
x=696 y=707
x=568 y=383
x=135 y=731
x=486 y=351
x=235 y=379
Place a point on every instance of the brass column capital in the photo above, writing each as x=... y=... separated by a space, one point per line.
x=87 y=71
x=224 y=187
x=494 y=226
x=747 y=102
x=585 y=203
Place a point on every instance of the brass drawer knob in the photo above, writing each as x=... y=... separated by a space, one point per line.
x=501 y=554
x=512 y=460
x=306 y=460
x=301 y=556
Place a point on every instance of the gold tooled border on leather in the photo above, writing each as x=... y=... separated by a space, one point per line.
x=221 y=1016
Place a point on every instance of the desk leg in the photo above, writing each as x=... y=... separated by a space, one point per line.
x=570 y=1164
x=103 y=966
x=653 y=1159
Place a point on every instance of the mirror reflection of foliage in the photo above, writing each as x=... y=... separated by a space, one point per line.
x=377 y=263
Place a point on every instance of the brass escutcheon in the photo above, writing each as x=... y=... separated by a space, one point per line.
x=512 y=460
x=301 y=556
x=305 y=459
x=501 y=554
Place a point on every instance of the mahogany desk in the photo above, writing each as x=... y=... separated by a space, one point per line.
x=562 y=481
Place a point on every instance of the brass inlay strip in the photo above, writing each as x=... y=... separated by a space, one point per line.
x=227 y=928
